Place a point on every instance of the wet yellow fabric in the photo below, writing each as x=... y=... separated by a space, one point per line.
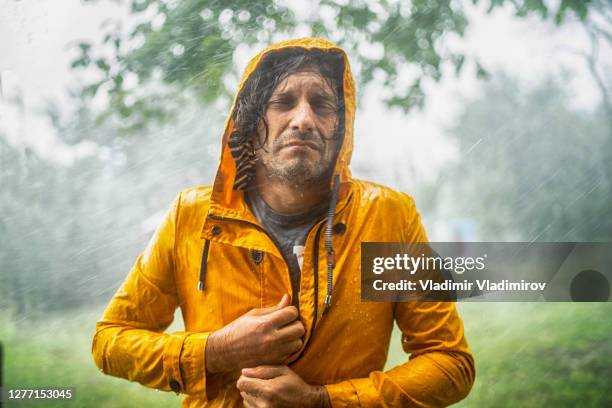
x=345 y=350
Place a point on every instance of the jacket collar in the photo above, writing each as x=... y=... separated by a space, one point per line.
x=240 y=211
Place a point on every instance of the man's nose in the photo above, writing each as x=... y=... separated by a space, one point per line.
x=303 y=119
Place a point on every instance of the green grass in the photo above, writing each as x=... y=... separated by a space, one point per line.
x=527 y=355
x=57 y=352
x=537 y=354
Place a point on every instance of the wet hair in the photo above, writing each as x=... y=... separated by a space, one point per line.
x=252 y=102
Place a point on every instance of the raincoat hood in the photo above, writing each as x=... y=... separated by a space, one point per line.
x=224 y=195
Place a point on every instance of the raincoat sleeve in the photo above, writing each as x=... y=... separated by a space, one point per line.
x=130 y=342
x=440 y=370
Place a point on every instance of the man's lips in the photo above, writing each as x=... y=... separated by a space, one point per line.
x=300 y=143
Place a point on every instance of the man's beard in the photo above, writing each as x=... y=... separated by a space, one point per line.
x=300 y=169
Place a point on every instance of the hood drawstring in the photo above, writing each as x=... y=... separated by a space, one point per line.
x=328 y=242
x=203 y=265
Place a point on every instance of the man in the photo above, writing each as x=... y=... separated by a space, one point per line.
x=265 y=265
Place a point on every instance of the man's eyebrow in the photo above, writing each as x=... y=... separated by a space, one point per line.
x=316 y=90
x=323 y=92
x=284 y=92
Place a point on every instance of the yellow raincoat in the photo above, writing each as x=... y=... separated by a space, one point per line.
x=345 y=349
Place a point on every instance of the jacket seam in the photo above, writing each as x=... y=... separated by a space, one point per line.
x=176 y=221
x=188 y=375
x=154 y=285
x=179 y=373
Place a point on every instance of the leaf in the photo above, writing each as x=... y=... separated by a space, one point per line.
x=458 y=60
x=481 y=72
x=85 y=47
x=103 y=65
x=91 y=90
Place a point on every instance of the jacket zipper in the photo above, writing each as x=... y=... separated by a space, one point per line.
x=316 y=289
x=319 y=225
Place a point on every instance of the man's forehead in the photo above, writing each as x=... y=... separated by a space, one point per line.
x=309 y=78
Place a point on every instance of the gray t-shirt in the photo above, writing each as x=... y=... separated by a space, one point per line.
x=289 y=233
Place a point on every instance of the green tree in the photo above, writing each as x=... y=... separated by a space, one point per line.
x=529 y=167
x=188 y=47
x=598 y=26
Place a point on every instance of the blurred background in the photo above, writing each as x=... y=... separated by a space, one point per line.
x=495 y=115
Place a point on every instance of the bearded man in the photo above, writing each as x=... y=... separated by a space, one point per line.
x=265 y=265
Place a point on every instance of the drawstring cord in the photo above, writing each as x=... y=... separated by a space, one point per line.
x=328 y=243
x=203 y=265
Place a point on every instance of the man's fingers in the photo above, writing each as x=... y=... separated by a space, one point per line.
x=294 y=330
x=251 y=385
x=250 y=401
x=284 y=302
x=262 y=373
x=283 y=316
x=291 y=347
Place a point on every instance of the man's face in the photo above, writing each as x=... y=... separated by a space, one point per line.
x=302 y=117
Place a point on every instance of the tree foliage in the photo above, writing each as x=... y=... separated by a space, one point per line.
x=189 y=46
x=530 y=167
x=599 y=29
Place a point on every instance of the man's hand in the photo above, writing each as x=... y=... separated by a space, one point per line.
x=279 y=386
x=261 y=336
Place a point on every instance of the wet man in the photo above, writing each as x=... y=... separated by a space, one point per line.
x=265 y=265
